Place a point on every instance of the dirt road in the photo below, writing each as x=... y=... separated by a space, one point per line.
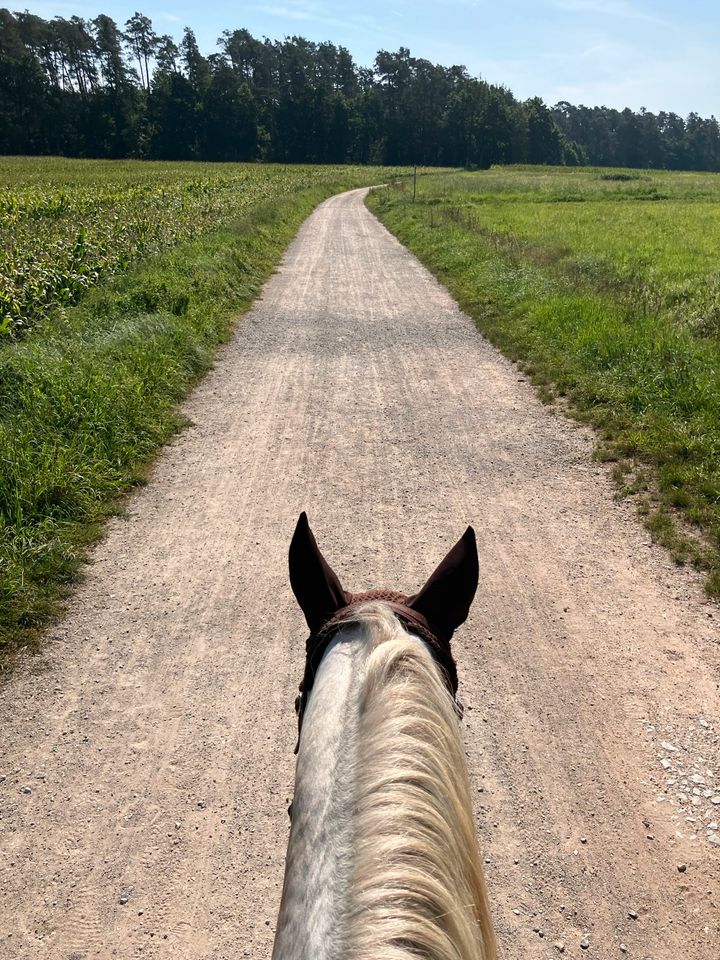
x=146 y=757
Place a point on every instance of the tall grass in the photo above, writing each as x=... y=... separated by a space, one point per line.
x=88 y=395
x=604 y=286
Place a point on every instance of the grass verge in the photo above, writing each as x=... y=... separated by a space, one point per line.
x=623 y=358
x=85 y=404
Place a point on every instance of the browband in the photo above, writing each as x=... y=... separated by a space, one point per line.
x=413 y=621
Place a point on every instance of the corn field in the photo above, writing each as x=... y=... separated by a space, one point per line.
x=66 y=225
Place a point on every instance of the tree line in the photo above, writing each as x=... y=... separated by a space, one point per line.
x=622 y=138
x=88 y=88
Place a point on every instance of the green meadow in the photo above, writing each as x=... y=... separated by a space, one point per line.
x=117 y=282
x=605 y=286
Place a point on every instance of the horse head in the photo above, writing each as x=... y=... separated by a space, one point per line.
x=383 y=858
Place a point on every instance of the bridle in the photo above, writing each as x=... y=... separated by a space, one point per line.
x=413 y=621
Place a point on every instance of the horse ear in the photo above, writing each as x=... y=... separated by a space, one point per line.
x=314 y=583
x=445 y=599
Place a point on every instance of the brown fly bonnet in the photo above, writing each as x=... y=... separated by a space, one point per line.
x=434 y=613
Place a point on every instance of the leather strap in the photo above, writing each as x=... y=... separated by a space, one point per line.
x=414 y=622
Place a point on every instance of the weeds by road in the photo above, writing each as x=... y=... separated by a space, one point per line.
x=605 y=286
x=88 y=392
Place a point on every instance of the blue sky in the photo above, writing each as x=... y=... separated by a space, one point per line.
x=661 y=55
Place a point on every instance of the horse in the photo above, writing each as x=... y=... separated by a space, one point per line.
x=382 y=860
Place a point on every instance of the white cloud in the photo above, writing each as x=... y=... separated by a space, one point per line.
x=286 y=12
x=308 y=11
x=49 y=10
x=609 y=8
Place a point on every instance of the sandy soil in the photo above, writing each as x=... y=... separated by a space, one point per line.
x=146 y=759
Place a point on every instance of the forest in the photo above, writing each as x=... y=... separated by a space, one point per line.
x=90 y=88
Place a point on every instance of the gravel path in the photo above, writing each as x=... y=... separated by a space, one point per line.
x=146 y=760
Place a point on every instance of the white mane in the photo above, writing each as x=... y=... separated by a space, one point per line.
x=383 y=861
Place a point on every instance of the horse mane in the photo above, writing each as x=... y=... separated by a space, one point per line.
x=417 y=887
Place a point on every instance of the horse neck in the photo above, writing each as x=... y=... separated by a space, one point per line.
x=319 y=857
x=382 y=860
